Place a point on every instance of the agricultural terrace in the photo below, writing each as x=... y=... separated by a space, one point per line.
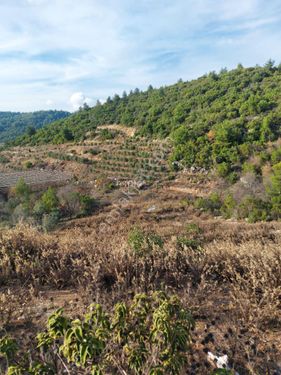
x=110 y=155
x=36 y=179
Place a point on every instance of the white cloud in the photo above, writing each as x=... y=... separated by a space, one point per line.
x=77 y=100
x=54 y=48
x=236 y=9
x=36 y=2
x=49 y=102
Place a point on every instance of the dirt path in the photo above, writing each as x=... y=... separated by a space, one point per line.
x=188 y=190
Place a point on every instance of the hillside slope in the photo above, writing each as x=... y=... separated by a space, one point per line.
x=14 y=124
x=229 y=122
x=217 y=118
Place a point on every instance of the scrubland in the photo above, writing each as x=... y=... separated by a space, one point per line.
x=226 y=274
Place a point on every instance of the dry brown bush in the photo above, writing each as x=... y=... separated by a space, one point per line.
x=232 y=284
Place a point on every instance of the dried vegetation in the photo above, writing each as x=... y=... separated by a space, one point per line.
x=229 y=279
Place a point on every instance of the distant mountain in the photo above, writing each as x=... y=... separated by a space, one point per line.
x=14 y=124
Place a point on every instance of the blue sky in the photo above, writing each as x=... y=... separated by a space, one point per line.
x=56 y=54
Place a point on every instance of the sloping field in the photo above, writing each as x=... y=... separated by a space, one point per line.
x=124 y=158
x=34 y=178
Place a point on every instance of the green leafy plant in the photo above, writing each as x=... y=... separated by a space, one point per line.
x=50 y=200
x=191 y=239
x=149 y=335
x=21 y=190
x=228 y=206
x=274 y=190
x=143 y=243
x=8 y=348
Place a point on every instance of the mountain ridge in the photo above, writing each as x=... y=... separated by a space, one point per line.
x=14 y=124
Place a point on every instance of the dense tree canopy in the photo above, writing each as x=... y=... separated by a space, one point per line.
x=14 y=124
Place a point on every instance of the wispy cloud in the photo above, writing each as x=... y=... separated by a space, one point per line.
x=52 y=49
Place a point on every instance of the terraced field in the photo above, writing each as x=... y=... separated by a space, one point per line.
x=36 y=179
x=123 y=158
x=141 y=160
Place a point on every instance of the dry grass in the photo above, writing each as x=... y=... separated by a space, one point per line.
x=232 y=285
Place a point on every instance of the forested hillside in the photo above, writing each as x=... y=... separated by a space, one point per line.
x=220 y=119
x=14 y=124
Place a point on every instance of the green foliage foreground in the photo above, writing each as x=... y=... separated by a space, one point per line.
x=45 y=208
x=149 y=335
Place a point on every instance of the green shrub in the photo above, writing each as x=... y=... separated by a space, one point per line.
x=28 y=165
x=191 y=239
x=149 y=335
x=3 y=159
x=50 y=221
x=87 y=204
x=39 y=210
x=20 y=213
x=106 y=134
x=212 y=204
x=228 y=206
x=232 y=177
x=21 y=190
x=223 y=169
x=276 y=156
x=50 y=200
x=253 y=209
x=143 y=243
x=93 y=151
x=109 y=186
x=249 y=167
x=274 y=191
x=184 y=242
x=85 y=161
x=8 y=348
